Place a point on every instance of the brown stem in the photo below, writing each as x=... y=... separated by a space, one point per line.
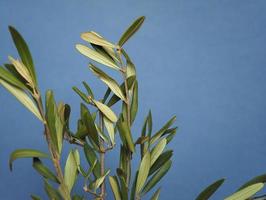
x=102 y=157
x=53 y=152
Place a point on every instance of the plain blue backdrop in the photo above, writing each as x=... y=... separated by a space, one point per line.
x=202 y=60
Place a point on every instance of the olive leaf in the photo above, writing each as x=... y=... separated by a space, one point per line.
x=157 y=150
x=210 y=190
x=23 y=98
x=25 y=153
x=257 y=179
x=23 y=51
x=105 y=110
x=246 y=193
x=115 y=187
x=131 y=30
x=11 y=79
x=110 y=82
x=43 y=170
x=94 y=55
x=143 y=172
x=94 y=38
x=156 y=194
x=71 y=169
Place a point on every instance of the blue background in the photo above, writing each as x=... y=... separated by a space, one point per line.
x=203 y=61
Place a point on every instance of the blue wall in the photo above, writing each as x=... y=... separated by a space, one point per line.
x=201 y=60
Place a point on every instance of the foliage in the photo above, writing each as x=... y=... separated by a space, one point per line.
x=97 y=128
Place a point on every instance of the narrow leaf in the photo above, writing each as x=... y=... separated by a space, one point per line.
x=106 y=111
x=23 y=51
x=95 y=38
x=157 y=150
x=257 y=179
x=71 y=170
x=163 y=158
x=157 y=177
x=11 y=79
x=23 y=98
x=43 y=170
x=110 y=129
x=131 y=30
x=110 y=82
x=143 y=172
x=246 y=192
x=115 y=187
x=134 y=103
x=94 y=55
x=156 y=194
x=25 y=153
x=210 y=190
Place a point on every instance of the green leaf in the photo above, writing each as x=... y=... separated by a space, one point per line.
x=54 y=121
x=94 y=55
x=89 y=91
x=98 y=182
x=110 y=82
x=52 y=193
x=156 y=194
x=157 y=135
x=114 y=99
x=11 y=79
x=43 y=170
x=131 y=70
x=115 y=187
x=143 y=171
x=95 y=38
x=81 y=94
x=34 y=197
x=91 y=129
x=71 y=170
x=157 y=150
x=110 y=129
x=157 y=177
x=125 y=134
x=91 y=158
x=131 y=30
x=163 y=158
x=246 y=192
x=210 y=190
x=133 y=187
x=257 y=179
x=106 y=111
x=134 y=103
x=25 y=153
x=77 y=197
x=23 y=51
x=23 y=98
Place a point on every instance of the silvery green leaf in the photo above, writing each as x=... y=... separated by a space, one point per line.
x=246 y=193
x=25 y=153
x=11 y=79
x=110 y=129
x=71 y=170
x=110 y=82
x=23 y=98
x=115 y=187
x=257 y=179
x=143 y=172
x=157 y=150
x=134 y=103
x=94 y=38
x=106 y=110
x=98 y=182
x=156 y=194
x=163 y=158
x=94 y=55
